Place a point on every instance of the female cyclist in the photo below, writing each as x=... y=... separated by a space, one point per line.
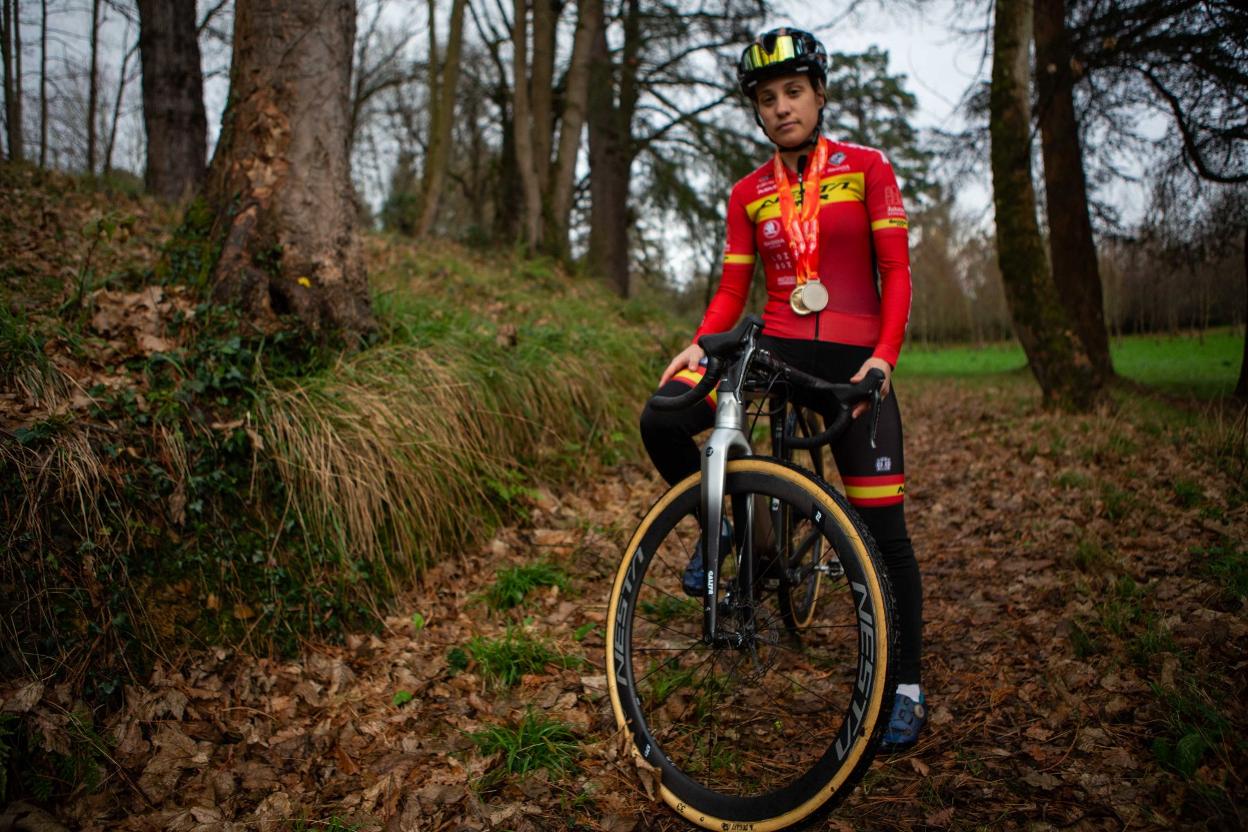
x=827 y=220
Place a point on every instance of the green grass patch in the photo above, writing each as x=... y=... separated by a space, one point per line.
x=1227 y=566
x=961 y=360
x=516 y=653
x=1192 y=727
x=513 y=585
x=535 y=742
x=1203 y=366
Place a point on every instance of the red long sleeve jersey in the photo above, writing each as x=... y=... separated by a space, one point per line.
x=862 y=229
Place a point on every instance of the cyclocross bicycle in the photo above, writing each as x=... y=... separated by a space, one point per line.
x=761 y=703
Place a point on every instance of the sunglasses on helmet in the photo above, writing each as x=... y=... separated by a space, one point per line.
x=775 y=49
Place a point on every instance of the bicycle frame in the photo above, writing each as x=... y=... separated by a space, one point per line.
x=727 y=441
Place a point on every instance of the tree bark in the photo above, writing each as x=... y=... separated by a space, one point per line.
x=173 y=98
x=280 y=180
x=1241 y=387
x=611 y=151
x=111 y=143
x=1054 y=352
x=43 y=86
x=93 y=86
x=541 y=94
x=442 y=119
x=18 y=133
x=589 y=19
x=1072 y=250
x=10 y=54
x=531 y=216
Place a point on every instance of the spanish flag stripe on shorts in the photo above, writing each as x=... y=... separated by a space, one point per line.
x=884 y=490
x=693 y=379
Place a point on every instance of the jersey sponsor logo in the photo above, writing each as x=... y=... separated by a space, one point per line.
x=836 y=158
x=771 y=228
x=883 y=464
x=892 y=200
x=845 y=187
x=889 y=222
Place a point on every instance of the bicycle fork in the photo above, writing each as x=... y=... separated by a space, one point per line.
x=727 y=441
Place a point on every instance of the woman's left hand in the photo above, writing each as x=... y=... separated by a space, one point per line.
x=884 y=367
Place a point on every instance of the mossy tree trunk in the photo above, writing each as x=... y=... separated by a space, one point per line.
x=1072 y=250
x=1054 y=352
x=280 y=181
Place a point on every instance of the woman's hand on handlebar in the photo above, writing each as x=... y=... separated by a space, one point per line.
x=688 y=359
x=884 y=367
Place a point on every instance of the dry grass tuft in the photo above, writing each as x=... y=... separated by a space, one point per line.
x=416 y=448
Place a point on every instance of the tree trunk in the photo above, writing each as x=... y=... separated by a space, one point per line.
x=173 y=98
x=280 y=181
x=121 y=94
x=541 y=94
x=19 y=137
x=531 y=215
x=43 y=86
x=1241 y=387
x=442 y=119
x=1072 y=250
x=10 y=54
x=589 y=19
x=93 y=86
x=1054 y=351
x=611 y=151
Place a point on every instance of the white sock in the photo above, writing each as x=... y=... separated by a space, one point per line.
x=913 y=692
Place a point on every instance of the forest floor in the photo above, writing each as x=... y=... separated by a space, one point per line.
x=1086 y=642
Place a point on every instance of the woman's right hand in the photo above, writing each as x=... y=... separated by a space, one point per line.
x=688 y=359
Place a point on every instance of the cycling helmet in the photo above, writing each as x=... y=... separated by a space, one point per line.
x=781 y=52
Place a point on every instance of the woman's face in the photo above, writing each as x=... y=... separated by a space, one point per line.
x=789 y=108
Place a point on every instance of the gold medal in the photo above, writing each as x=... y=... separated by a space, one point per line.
x=796 y=301
x=814 y=296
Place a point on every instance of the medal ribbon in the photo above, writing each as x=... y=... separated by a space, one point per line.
x=802 y=229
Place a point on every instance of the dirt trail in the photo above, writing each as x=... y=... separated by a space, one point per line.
x=1062 y=599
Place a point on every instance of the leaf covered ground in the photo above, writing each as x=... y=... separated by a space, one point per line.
x=1085 y=653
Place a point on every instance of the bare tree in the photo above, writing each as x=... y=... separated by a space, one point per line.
x=11 y=54
x=1072 y=251
x=571 y=125
x=280 y=180
x=93 y=86
x=442 y=96
x=526 y=153
x=43 y=84
x=173 y=98
x=1054 y=351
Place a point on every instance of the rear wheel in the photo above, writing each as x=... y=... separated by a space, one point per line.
x=758 y=728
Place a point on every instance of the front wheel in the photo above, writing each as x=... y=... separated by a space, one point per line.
x=757 y=731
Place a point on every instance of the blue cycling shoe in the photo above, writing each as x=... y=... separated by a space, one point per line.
x=905 y=725
x=693 y=582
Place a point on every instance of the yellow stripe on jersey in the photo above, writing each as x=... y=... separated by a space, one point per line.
x=742 y=259
x=873 y=492
x=889 y=222
x=844 y=187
